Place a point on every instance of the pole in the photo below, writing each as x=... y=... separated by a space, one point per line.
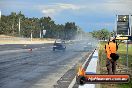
x=31 y=35
x=40 y=34
x=116 y=23
x=43 y=33
x=127 y=56
x=19 y=27
x=130 y=25
x=41 y=25
x=13 y=26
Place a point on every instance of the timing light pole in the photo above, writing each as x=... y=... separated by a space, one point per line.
x=19 y=26
x=31 y=35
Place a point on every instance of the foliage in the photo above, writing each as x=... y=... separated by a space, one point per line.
x=101 y=34
x=9 y=25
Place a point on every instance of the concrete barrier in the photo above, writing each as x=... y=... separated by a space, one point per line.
x=91 y=69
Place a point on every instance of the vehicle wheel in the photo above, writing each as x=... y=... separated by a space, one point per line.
x=53 y=49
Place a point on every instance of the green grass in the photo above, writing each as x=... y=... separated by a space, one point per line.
x=122 y=52
x=122 y=60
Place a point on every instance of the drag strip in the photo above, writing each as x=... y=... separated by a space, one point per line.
x=39 y=68
x=22 y=46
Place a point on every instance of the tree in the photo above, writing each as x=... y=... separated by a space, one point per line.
x=102 y=34
x=70 y=30
x=9 y=25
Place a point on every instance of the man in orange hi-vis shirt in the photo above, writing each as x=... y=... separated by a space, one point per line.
x=110 y=49
x=108 y=65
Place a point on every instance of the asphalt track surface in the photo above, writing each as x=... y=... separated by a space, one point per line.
x=39 y=68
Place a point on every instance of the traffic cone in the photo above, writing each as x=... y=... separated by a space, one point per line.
x=30 y=49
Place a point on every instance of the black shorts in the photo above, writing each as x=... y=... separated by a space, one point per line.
x=114 y=56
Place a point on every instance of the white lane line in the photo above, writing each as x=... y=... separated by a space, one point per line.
x=35 y=48
x=86 y=61
x=12 y=51
x=2 y=44
x=87 y=86
x=72 y=83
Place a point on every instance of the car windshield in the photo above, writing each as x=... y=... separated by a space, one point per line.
x=58 y=44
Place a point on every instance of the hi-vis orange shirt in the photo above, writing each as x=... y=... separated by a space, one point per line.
x=112 y=47
x=107 y=49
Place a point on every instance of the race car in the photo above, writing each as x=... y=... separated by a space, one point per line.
x=59 y=46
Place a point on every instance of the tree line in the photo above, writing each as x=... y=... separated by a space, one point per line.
x=9 y=25
x=102 y=34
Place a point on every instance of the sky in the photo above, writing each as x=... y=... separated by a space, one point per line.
x=87 y=14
